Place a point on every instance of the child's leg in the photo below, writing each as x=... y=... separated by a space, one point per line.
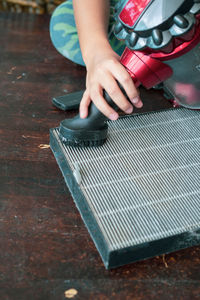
x=64 y=34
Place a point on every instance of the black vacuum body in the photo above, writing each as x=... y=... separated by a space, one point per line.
x=163 y=47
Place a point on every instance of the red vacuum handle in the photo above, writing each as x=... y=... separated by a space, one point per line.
x=144 y=69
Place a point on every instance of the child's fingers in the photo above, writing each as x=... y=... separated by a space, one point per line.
x=85 y=102
x=101 y=104
x=122 y=76
x=138 y=104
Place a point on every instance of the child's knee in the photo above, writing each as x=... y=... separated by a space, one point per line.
x=62 y=11
x=62 y=24
x=63 y=32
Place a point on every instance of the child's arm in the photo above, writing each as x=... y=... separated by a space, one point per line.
x=102 y=63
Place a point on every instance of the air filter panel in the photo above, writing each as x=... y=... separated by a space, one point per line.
x=139 y=194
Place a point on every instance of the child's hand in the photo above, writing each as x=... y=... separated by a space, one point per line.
x=102 y=72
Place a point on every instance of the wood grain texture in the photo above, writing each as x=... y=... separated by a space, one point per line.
x=45 y=248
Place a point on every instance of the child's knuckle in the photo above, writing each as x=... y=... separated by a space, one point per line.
x=111 y=61
x=134 y=94
x=125 y=106
x=94 y=95
x=100 y=69
x=125 y=78
x=113 y=91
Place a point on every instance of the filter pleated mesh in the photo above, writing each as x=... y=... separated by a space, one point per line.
x=144 y=183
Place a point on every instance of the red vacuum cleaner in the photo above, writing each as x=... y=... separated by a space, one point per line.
x=162 y=49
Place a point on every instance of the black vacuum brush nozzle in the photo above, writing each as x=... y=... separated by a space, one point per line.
x=76 y=132
x=88 y=132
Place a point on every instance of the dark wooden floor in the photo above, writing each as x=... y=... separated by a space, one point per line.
x=45 y=249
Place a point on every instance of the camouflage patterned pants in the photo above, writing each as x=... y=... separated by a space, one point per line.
x=64 y=35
